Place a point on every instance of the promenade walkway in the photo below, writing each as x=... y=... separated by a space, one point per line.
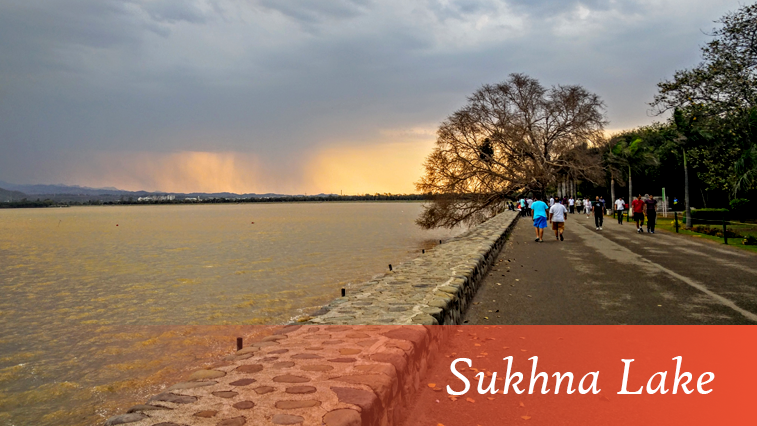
x=616 y=276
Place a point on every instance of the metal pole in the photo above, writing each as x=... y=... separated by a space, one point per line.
x=676 y=216
x=725 y=231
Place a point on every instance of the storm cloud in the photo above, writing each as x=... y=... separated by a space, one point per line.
x=91 y=89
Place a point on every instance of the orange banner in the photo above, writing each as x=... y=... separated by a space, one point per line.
x=591 y=375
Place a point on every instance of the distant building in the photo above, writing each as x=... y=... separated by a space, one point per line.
x=153 y=198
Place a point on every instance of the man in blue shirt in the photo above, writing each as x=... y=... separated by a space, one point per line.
x=539 y=209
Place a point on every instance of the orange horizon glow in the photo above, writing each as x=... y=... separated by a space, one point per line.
x=339 y=168
x=378 y=168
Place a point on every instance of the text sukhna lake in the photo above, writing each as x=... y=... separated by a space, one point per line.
x=587 y=383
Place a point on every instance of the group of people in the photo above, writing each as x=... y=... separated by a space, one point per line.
x=556 y=209
x=642 y=207
x=525 y=205
x=556 y=213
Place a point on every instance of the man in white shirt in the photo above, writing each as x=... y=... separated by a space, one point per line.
x=571 y=204
x=557 y=215
x=529 y=201
x=620 y=206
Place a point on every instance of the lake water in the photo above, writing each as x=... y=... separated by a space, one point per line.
x=101 y=306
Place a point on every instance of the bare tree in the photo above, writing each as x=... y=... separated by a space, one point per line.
x=511 y=138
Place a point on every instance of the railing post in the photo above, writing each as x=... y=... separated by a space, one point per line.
x=676 y=216
x=725 y=231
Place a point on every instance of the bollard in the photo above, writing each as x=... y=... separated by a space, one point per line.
x=423 y=251
x=440 y=241
x=676 y=216
x=344 y=292
x=390 y=266
x=725 y=232
x=239 y=343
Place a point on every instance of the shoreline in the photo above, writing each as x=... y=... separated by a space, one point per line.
x=297 y=200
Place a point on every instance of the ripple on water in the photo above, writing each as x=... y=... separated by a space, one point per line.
x=95 y=318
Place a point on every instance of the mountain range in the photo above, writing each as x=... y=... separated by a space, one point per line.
x=57 y=192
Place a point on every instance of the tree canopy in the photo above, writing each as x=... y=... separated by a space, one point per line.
x=725 y=82
x=513 y=137
x=715 y=106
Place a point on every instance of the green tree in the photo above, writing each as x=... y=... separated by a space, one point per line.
x=721 y=93
x=726 y=80
x=746 y=165
x=632 y=151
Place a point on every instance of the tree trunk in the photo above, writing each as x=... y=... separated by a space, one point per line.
x=686 y=191
x=612 y=192
x=630 y=187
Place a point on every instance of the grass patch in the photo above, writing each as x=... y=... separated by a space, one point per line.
x=667 y=224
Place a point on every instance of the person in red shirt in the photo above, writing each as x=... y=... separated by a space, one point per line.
x=638 y=213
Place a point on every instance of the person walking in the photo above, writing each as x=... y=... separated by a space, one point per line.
x=587 y=206
x=620 y=206
x=529 y=202
x=638 y=213
x=571 y=204
x=651 y=208
x=557 y=216
x=540 y=209
x=522 y=205
x=598 y=208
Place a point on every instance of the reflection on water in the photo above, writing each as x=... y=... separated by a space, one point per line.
x=101 y=306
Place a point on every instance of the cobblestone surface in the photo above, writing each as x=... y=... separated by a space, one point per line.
x=356 y=363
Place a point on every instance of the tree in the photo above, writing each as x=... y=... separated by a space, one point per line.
x=722 y=92
x=746 y=166
x=726 y=81
x=510 y=138
x=632 y=150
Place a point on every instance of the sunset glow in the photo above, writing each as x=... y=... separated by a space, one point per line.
x=391 y=167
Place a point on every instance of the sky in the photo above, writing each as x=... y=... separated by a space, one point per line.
x=301 y=97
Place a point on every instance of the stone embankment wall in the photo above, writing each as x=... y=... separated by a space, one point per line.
x=335 y=371
x=434 y=288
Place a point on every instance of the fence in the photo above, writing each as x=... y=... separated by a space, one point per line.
x=724 y=222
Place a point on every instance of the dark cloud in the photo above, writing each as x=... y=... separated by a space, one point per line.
x=277 y=77
x=322 y=11
x=172 y=11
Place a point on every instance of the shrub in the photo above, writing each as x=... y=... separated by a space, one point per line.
x=716 y=232
x=741 y=209
x=708 y=216
x=739 y=203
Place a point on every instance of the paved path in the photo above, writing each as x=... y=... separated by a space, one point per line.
x=616 y=276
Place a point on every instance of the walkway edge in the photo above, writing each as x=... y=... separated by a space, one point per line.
x=434 y=288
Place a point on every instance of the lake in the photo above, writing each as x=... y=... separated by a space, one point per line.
x=101 y=306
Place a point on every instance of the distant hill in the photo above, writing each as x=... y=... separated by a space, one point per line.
x=61 y=189
x=59 y=192
x=6 y=195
